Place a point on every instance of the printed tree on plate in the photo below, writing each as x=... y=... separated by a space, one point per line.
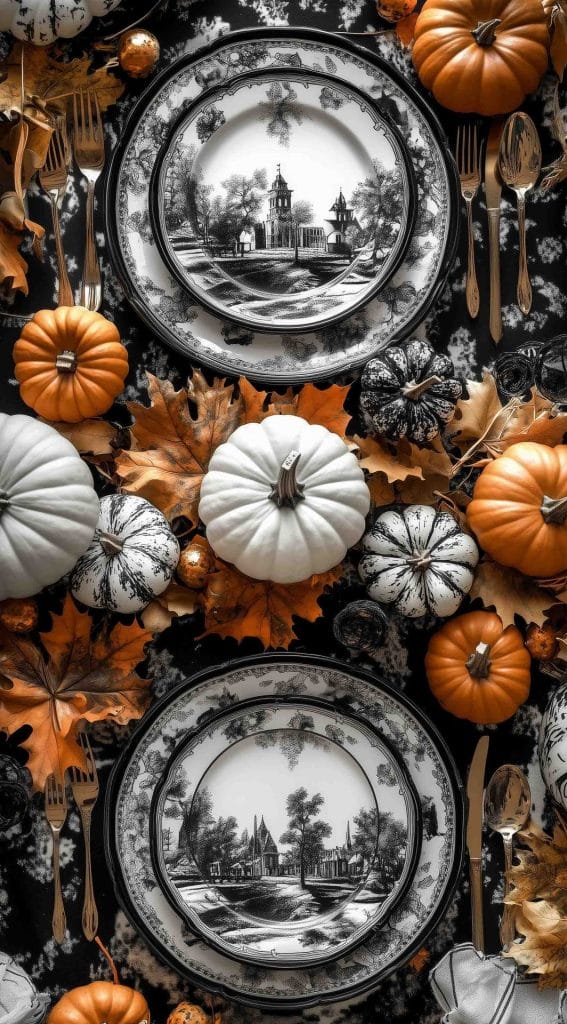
x=230 y=214
x=210 y=840
x=380 y=840
x=304 y=834
x=301 y=213
x=378 y=205
x=188 y=202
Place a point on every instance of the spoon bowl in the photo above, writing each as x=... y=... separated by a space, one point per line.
x=507 y=803
x=519 y=163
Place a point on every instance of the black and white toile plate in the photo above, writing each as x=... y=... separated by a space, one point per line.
x=283 y=200
x=167 y=308
x=139 y=773
x=285 y=831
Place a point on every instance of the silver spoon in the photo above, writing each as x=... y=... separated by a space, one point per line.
x=507 y=803
x=519 y=163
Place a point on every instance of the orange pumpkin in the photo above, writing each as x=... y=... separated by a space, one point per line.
x=101 y=1002
x=189 y=1013
x=519 y=509
x=395 y=10
x=70 y=363
x=481 y=56
x=477 y=670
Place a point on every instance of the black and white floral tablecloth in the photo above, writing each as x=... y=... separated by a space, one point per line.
x=25 y=862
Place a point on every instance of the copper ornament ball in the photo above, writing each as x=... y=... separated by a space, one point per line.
x=138 y=52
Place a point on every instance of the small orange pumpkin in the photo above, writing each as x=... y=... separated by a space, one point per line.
x=519 y=509
x=542 y=642
x=481 y=56
x=101 y=1002
x=395 y=10
x=189 y=1013
x=477 y=670
x=70 y=363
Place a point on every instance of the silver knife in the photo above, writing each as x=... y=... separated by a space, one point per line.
x=475 y=798
x=493 y=191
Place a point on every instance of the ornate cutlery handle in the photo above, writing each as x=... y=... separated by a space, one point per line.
x=91 y=285
x=90 y=913
x=58 y=921
x=65 y=293
x=494 y=251
x=524 y=292
x=508 y=921
x=473 y=297
x=476 y=905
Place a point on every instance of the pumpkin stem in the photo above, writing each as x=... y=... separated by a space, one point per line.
x=479 y=662
x=111 y=964
x=4 y=501
x=110 y=543
x=554 y=510
x=66 y=362
x=484 y=33
x=422 y=561
x=414 y=390
x=287 y=491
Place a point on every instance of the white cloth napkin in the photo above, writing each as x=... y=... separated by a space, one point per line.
x=475 y=989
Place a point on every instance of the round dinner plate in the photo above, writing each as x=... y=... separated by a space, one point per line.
x=139 y=773
x=285 y=831
x=168 y=309
x=283 y=200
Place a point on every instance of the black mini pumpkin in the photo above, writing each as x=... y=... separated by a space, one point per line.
x=409 y=391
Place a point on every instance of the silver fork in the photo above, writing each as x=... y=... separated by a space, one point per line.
x=85 y=792
x=56 y=813
x=88 y=147
x=53 y=180
x=468 y=162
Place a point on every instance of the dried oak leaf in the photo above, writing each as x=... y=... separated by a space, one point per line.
x=71 y=677
x=176 y=600
x=405 y=29
x=90 y=437
x=316 y=405
x=46 y=78
x=13 y=267
x=541 y=869
x=436 y=467
x=535 y=420
x=376 y=457
x=510 y=593
x=172 y=446
x=238 y=606
x=544 y=948
x=480 y=416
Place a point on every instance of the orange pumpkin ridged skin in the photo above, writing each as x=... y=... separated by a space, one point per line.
x=468 y=77
x=70 y=334
x=189 y=1013
x=101 y=1002
x=485 y=701
x=506 y=511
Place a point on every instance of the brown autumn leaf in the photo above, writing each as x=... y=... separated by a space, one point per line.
x=13 y=267
x=47 y=78
x=90 y=437
x=510 y=593
x=557 y=15
x=535 y=420
x=544 y=948
x=379 y=458
x=540 y=871
x=381 y=492
x=176 y=600
x=173 y=447
x=435 y=465
x=405 y=29
x=481 y=415
x=238 y=606
x=316 y=405
x=71 y=677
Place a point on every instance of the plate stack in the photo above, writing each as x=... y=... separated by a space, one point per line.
x=282 y=205
x=285 y=831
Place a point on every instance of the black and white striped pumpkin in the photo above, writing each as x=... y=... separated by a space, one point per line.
x=419 y=560
x=409 y=391
x=131 y=558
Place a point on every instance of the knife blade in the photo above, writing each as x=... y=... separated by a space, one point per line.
x=493 y=191
x=475 y=811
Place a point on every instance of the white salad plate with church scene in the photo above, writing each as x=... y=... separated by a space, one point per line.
x=136 y=788
x=283 y=200
x=285 y=831
x=283 y=356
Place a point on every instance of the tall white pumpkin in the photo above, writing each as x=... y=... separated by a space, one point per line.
x=48 y=506
x=283 y=499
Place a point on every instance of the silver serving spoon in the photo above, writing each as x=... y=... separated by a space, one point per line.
x=519 y=163
x=507 y=803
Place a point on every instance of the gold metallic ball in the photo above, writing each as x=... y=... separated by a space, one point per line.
x=138 y=52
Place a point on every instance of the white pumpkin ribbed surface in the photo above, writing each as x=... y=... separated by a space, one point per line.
x=286 y=545
x=43 y=21
x=48 y=506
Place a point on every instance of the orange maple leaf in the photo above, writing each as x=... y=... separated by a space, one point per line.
x=173 y=447
x=72 y=677
x=405 y=29
x=238 y=606
x=316 y=405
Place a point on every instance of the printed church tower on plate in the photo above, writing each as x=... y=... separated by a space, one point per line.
x=279 y=225
x=262 y=851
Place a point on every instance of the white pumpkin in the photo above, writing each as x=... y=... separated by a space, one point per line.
x=131 y=558
x=48 y=506
x=553 y=745
x=43 y=21
x=283 y=499
x=20 y=1002
x=419 y=560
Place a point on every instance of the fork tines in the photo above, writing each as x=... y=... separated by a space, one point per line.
x=90 y=773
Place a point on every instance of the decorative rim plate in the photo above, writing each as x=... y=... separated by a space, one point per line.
x=281 y=358
x=285 y=831
x=283 y=200
x=139 y=772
